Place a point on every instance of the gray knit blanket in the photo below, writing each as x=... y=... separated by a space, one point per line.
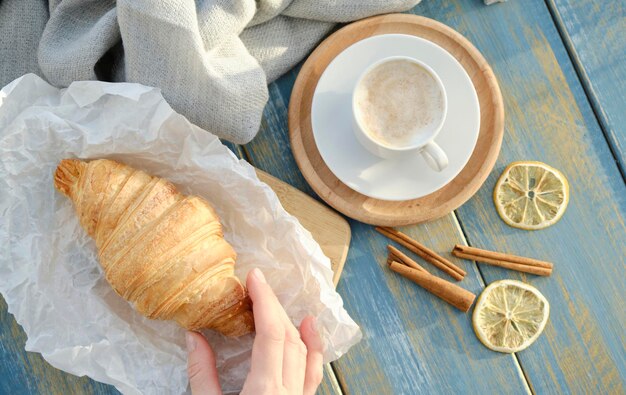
x=212 y=59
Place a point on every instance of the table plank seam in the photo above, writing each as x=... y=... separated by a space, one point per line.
x=516 y=360
x=585 y=83
x=333 y=377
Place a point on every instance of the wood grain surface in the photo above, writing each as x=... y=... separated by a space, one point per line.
x=380 y=212
x=595 y=35
x=410 y=344
x=415 y=343
x=550 y=119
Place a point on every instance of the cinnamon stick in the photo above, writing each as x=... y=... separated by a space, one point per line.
x=507 y=261
x=458 y=297
x=409 y=242
x=397 y=255
x=424 y=252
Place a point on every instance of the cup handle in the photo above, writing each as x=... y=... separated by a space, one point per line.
x=435 y=157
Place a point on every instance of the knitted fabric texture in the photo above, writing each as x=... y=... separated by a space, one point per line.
x=212 y=59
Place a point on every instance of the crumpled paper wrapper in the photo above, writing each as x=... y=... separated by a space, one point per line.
x=49 y=274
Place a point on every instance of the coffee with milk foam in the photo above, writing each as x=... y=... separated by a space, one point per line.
x=398 y=103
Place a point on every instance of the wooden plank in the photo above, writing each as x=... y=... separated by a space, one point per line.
x=595 y=35
x=550 y=119
x=413 y=341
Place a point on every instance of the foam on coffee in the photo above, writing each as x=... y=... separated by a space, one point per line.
x=397 y=102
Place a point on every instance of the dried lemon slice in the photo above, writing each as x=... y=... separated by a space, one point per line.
x=510 y=315
x=531 y=195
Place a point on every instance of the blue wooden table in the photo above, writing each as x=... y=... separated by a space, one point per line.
x=561 y=65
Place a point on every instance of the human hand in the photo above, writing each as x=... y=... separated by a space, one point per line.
x=284 y=361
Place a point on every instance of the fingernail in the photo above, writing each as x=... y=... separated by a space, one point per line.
x=259 y=275
x=191 y=342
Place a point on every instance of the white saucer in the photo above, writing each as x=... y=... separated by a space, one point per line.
x=395 y=179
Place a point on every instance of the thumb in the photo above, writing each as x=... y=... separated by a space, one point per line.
x=201 y=366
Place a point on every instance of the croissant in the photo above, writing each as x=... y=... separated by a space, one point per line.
x=159 y=249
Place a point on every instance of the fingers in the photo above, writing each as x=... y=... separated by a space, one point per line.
x=267 y=350
x=281 y=356
x=201 y=368
x=294 y=360
x=314 y=359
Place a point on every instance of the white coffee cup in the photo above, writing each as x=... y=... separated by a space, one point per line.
x=422 y=135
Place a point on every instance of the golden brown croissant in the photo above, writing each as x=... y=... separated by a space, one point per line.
x=159 y=249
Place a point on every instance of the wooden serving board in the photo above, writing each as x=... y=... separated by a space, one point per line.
x=381 y=212
x=328 y=228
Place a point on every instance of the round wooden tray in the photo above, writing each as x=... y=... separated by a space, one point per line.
x=382 y=212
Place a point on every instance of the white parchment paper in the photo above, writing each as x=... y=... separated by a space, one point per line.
x=49 y=274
